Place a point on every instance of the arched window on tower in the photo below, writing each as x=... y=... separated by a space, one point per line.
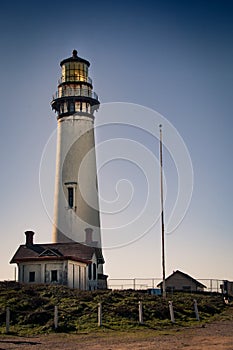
x=71 y=191
x=71 y=197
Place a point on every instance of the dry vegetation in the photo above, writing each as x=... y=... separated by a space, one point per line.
x=32 y=320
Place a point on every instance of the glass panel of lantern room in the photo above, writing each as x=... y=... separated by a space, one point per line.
x=60 y=91
x=63 y=73
x=65 y=108
x=84 y=107
x=80 y=72
x=84 y=92
x=85 y=70
x=71 y=107
x=67 y=71
x=76 y=72
x=77 y=106
x=69 y=91
x=72 y=75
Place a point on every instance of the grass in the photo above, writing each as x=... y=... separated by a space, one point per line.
x=32 y=309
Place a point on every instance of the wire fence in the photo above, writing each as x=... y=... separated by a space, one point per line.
x=211 y=285
x=64 y=320
x=42 y=308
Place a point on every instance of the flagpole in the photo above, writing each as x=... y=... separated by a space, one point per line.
x=162 y=209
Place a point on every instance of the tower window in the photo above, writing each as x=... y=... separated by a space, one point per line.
x=32 y=276
x=71 y=197
x=71 y=194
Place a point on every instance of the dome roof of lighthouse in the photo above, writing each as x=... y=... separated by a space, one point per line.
x=75 y=58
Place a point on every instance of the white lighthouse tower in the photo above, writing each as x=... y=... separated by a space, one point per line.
x=76 y=206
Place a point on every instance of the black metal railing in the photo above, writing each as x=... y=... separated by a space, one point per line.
x=75 y=92
x=75 y=79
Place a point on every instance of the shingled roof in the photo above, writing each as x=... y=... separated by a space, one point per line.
x=60 y=251
x=198 y=284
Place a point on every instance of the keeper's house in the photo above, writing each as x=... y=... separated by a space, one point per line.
x=72 y=264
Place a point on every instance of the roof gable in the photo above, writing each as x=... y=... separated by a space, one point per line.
x=49 y=252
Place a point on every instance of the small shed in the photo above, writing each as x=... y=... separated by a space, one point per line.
x=180 y=281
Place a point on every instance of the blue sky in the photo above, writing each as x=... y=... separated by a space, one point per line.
x=175 y=57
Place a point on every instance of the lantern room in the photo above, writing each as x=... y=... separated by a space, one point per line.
x=75 y=91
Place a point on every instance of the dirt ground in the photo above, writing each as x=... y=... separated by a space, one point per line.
x=215 y=335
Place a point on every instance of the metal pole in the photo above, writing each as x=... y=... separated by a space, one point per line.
x=162 y=210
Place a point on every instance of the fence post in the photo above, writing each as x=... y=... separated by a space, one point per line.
x=171 y=311
x=7 y=320
x=134 y=283
x=211 y=285
x=99 y=314
x=140 y=312
x=196 y=310
x=55 y=317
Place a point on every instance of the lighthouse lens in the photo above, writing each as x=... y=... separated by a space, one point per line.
x=74 y=71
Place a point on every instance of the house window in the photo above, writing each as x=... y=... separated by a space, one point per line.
x=89 y=272
x=32 y=276
x=94 y=271
x=54 y=276
x=186 y=288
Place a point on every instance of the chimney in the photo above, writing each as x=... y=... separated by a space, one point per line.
x=89 y=232
x=29 y=237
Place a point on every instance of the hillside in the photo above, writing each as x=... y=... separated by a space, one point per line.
x=32 y=309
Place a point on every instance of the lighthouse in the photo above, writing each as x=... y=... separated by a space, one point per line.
x=74 y=259
x=76 y=205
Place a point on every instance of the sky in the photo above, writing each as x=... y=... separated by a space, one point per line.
x=155 y=58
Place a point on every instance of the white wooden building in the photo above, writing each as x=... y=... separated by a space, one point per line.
x=180 y=281
x=72 y=264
